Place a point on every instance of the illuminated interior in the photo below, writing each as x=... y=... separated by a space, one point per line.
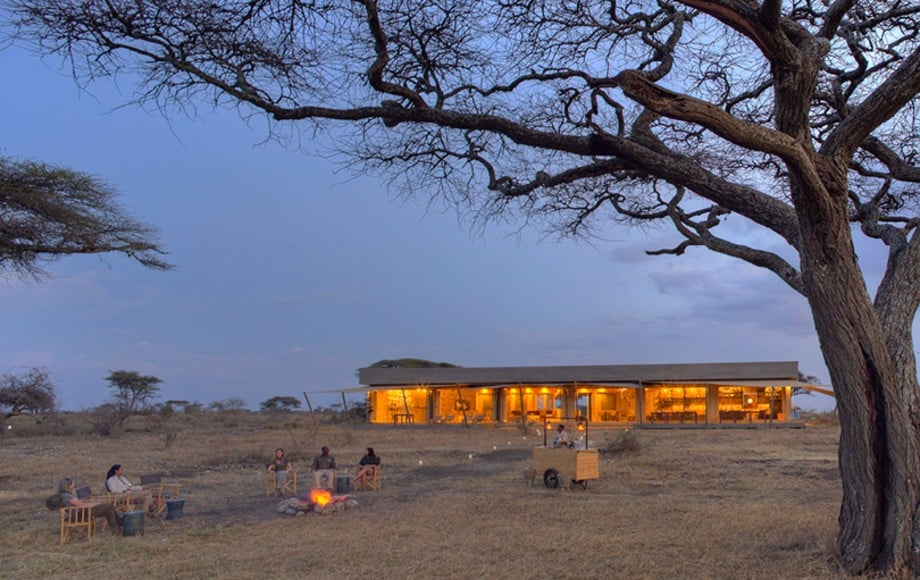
x=666 y=403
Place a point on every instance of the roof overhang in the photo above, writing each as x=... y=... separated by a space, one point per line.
x=823 y=390
x=783 y=372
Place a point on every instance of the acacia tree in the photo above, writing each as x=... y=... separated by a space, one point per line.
x=47 y=212
x=279 y=404
x=132 y=392
x=31 y=392
x=798 y=116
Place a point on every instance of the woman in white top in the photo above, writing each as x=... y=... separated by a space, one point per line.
x=118 y=483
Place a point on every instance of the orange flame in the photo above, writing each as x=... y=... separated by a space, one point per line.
x=320 y=496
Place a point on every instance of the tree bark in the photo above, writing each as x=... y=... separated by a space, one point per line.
x=879 y=449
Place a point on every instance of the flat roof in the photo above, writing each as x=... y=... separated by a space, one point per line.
x=779 y=371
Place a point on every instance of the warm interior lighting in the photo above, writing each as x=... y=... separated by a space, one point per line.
x=544 y=390
x=602 y=390
x=484 y=391
x=320 y=496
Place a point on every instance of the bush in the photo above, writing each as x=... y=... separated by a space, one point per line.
x=231 y=405
x=168 y=433
x=105 y=420
x=625 y=441
x=826 y=418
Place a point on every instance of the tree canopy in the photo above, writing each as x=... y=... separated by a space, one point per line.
x=410 y=363
x=772 y=132
x=284 y=404
x=47 y=212
x=132 y=392
x=31 y=392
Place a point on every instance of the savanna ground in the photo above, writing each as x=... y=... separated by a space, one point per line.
x=732 y=503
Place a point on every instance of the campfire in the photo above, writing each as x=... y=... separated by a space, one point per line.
x=321 y=497
x=320 y=501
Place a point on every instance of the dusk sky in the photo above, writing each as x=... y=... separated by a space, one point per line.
x=290 y=275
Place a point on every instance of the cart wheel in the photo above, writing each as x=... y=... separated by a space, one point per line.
x=551 y=478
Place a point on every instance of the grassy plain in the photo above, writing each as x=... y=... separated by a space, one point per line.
x=732 y=503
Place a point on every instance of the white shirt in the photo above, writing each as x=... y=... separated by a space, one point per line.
x=119 y=484
x=562 y=438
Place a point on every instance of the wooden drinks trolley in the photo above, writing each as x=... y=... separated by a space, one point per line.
x=561 y=465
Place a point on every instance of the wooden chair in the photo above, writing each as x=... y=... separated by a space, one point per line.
x=119 y=501
x=77 y=518
x=372 y=481
x=161 y=491
x=290 y=486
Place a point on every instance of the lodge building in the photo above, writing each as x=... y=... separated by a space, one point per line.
x=710 y=394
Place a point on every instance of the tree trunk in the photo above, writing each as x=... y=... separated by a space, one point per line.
x=879 y=449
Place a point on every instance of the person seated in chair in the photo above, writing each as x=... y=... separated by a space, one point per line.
x=116 y=482
x=562 y=438
x=67 y=488
x=282 y=468
x=323 y=468
x=366 y=467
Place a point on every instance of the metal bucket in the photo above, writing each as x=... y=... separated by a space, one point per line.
x=132 y=524
x=174 y=508
x=342 y=484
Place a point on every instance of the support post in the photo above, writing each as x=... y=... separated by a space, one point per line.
x=466 y=421
x=310 y=407
x=521 y=401
x=345 y=406
x=772 y=395
x=406 y=405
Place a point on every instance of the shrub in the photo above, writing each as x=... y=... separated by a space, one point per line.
x=105 y=420
x=625 y=441
x=826 y=418
x=168 y=434
x=231 y=405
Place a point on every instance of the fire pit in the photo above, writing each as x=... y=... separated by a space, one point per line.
x=320 y=501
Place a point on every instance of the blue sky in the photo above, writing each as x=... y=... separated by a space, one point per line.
x=290 y=276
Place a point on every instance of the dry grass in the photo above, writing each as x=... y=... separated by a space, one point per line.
x=733 y=503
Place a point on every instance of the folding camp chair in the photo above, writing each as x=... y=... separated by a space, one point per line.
x=372 y=481
x=77 y=518
x=119 y=500
x=161 y=491
x=290 y=486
